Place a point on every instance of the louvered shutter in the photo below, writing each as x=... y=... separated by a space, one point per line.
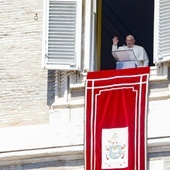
x=162 y=30
x=63 y=39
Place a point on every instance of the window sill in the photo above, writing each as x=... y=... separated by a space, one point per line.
x=159 y=74
x=60 y=104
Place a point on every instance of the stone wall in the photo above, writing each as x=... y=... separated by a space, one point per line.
x=27 y=95
x=23 y=83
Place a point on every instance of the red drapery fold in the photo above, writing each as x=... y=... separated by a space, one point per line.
x=116 y=112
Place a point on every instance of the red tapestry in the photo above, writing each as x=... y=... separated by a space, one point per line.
x=116 y=113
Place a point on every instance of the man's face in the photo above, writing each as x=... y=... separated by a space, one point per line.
x=130 y=41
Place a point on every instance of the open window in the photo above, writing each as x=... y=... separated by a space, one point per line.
x=62 y=34
x=121 y=18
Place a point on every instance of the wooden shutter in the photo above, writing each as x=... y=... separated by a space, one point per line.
x=162 y=31
x=63 y=34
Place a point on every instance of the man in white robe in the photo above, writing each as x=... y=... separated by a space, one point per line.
x=140 y=53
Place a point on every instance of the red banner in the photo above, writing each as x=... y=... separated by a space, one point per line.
x=116 y=113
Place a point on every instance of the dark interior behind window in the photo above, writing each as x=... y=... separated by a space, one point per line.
x=124 y=17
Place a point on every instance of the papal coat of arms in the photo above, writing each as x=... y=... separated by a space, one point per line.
x=114 y=148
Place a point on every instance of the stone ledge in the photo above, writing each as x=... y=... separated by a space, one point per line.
x=66 y=153
x=72 y=104
x=159 y=145
x=159 y=95
x=77 y=86
x=155 y=77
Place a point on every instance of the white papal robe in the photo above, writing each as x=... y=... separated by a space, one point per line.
x=140 y=54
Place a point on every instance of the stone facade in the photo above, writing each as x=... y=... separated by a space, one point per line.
x=40 y=128
x=23 y=83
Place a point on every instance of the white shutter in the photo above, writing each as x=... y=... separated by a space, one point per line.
x=63 y=34
x=162 y=31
